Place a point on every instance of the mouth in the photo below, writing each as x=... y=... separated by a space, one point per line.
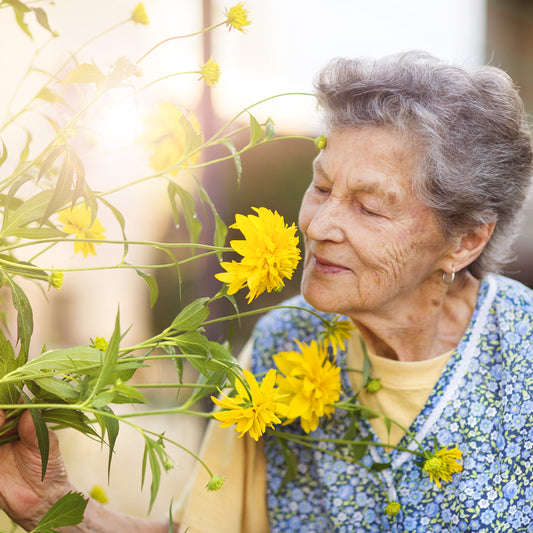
x=321 y=264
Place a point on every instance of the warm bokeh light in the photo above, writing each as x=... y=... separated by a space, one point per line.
x=119 y=124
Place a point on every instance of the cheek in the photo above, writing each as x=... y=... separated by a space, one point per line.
x=306 y=213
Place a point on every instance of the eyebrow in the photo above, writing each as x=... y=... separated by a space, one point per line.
x=371 y=188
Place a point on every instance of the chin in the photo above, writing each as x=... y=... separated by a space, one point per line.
x=320 y=298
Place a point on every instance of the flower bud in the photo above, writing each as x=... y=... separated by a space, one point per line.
x=373 y=385
x=215 y=483
x=320 y=142
x=393 y=509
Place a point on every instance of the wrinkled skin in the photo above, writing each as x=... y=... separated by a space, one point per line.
x=375 y=252
x=22 y=494
x=26 y=498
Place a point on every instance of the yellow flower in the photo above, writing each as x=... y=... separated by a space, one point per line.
x=169 y=135
x=270 y=253
x=78 y=221
x=442 y=464
x=252 y=410
x=335 y=333
x=393 y=508
x=98 y=493
x=210 y=72
x=310 y=383
x=139 y=14
x=237 y=17
x=56 y=279
x=100 y=344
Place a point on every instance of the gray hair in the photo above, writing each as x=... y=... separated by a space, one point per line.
x=476 y=160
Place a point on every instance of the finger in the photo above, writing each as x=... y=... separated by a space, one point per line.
x=28 y=434
x=26 y=429
x=2 y=417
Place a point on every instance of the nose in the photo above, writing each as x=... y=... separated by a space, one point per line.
x=327 y=222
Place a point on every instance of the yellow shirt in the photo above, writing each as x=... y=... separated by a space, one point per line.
x=405 y=387
x=240 y=505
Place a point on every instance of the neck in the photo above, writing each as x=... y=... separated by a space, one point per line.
x=424 y=328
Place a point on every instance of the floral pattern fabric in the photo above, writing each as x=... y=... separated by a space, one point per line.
x=482 y=403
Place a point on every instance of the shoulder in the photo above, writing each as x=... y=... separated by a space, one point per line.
x=512 y=301
x=512 y=293
x=512 y=316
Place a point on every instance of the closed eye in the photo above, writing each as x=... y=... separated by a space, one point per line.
x=320 y=190
x=366 y=211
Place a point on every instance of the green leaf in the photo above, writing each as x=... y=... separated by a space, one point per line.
x=36 y=234
x=50 y=159
x=3 y=155
x=388 y=424
x=21 y=268
x=236 y=158
x=61 y=190
x=256 y=132
x=25 y=151
x=31 y=210
x=50 y=96
x=212 y=373
x=9 y=395
x=352 y=429
x=191 y=316
x=86 y=359
x=270 y=129
x=109 y=425
x=109 y=365
x=131 y=393
x=290 y=460
x=379 y=467
x=79 y=170
x=85 y=73
x=59 y=388
x=194 y=226
x=42 y=438
x=359 y=449
x=118 y=217
x=67 y=511
x=192 y=343
x=198 y=352
x=152 y=450
x=171 y=518
x=68 y=418
x=221 y=230
x=193 y=139
x=20 y=10
x=367 y=413
x=152 y=285
x=24 y=317
x=42 y=18
x=102 y=399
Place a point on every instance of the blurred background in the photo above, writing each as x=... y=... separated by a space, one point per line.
x=284 y=47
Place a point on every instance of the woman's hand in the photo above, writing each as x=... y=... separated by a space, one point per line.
x=23 y=496
x=26 y=498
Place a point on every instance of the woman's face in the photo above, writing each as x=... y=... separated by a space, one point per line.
x=370 y=245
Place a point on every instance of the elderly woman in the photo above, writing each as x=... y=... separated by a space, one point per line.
x=409 y=216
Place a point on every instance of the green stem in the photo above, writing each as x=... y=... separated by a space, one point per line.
x=264 y=310
x=357 y=407
x=179 y=37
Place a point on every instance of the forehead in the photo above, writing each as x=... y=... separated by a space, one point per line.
x=376 y=159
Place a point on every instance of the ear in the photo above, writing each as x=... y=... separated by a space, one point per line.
x=469 y=247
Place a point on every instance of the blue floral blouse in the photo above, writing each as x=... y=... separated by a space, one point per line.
x=482 y=403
